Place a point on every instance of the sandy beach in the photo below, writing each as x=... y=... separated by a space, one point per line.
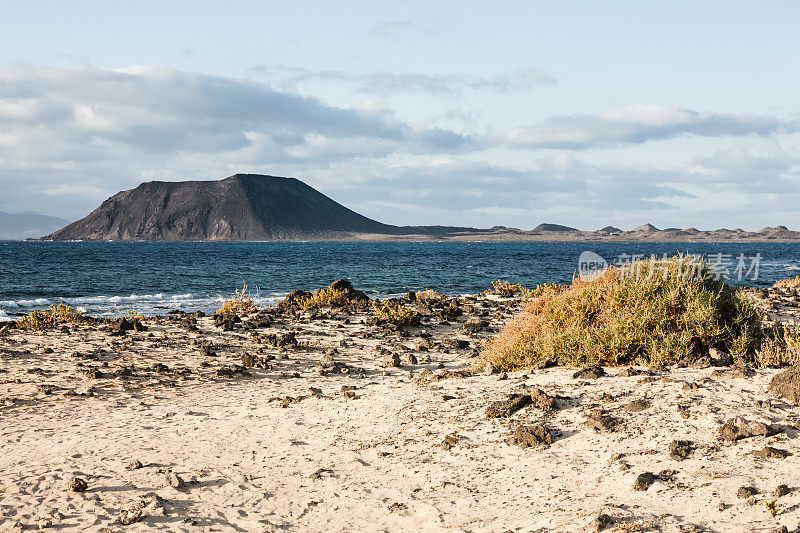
x=331 y=422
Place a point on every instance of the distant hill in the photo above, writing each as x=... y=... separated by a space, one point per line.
x=241 y=207
x=552 y=227
x=251 y=207
x=646 y=228
x=28 y=225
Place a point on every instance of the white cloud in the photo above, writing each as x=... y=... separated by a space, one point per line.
x=634 y=125
x=388 y=83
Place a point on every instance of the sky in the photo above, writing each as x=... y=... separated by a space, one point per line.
x=675 y=113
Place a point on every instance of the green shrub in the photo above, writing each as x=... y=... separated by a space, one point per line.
x=52 y=316
x=671 y=310
x=397 y=314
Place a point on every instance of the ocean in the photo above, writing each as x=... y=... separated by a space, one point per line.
x=107 y=279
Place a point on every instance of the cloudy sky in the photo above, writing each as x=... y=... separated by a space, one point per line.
x=467 y=113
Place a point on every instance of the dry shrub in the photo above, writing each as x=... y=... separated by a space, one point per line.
x=339 y=294
x=779 y=348
x=241 y=303
x=678 y=312
x=397 y=314
x=328 y=297
x=790 y=283
x=52 y=316
x=430 y=296
x=507 y=289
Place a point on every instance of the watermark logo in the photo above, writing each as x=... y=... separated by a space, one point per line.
x=718 y=266
x=591 y=266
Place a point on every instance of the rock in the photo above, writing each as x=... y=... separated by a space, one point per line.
x=475 y=324
x=600 y=523
x=528 y=436
x=769 y=452
x=130 y=516
x=174 y=480
x=78 y=485
x=637 y=405
x=742 y=370
x=602 y=422
x=350 y=292
x=680 y=449
x=460 y=344
x=592 y=372
x=286 y=340
x=450 y=441
x=632 y=372
x=740 y=428
x=226 y=321
x=700 y=362
x=332 y=367
x=787 y=384
x=134 y=465
x=411 y=359
x=544 y=362
x=643 y=481
x=720 y=357
x=391 y=360
x=506 y=408
x=542 y=400
x=782 y=490
x=746 y=492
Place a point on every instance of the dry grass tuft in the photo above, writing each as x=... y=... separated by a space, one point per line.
x=780 y=348
x=241 y=303
x=672 y=310
x=52 y=316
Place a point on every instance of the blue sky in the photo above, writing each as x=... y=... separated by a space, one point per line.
x=468 y=113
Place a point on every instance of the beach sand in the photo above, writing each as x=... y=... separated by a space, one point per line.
x=168 y=431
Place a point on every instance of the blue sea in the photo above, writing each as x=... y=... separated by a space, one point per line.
x=108 y=279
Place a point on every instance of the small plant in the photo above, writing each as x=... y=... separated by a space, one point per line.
x=241 y=303
x=133 y=316
x=397 y=314
x=772 y=507
x=52 y=316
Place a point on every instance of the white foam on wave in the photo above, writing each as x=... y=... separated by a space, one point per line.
x=114 y=299
x=15 y=304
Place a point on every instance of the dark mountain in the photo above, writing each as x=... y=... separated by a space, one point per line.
x=241 y=207
x=28 y=225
